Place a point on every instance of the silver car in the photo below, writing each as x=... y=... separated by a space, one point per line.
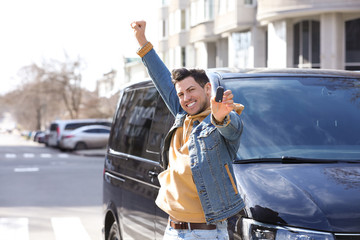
x=59 y=127
x=92 y=136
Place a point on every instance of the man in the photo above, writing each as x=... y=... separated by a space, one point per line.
x=197 y=187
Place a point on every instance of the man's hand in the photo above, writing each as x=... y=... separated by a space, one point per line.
x=139 y=30
x=222 y=109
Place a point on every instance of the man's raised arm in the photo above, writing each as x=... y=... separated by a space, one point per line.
x=139 y=30
x=156 y=68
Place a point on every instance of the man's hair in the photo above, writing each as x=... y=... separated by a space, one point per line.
x=198 y=74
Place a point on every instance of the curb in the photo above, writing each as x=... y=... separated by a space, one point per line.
x=91 y=153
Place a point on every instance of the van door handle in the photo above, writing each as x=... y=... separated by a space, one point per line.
x=152 y=174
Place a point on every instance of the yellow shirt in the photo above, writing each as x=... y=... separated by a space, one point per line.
x=178 y=195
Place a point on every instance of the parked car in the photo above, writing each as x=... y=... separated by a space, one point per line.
x=86 y=137
x=36 y=135
x=297 y=168
x=40 y=137
x=59 y=127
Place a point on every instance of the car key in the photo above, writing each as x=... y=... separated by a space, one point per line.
x=219 y=94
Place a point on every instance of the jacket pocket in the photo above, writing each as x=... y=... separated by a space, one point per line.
x=209 y=139
x=231 y=178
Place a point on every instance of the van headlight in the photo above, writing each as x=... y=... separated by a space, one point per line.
x=254 y=230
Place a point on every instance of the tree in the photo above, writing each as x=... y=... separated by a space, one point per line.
x=32 y=95
x=52 y=91
x=95 y=107
x=65 y=77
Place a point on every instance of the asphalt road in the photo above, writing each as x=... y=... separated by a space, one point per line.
x=48 y=194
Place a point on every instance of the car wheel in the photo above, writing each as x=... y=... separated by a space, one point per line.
x=80 y=146
x=114 y=233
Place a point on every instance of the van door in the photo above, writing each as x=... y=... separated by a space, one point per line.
x=133 y=164
x=161 y=124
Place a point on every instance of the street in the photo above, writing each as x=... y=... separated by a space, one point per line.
x=48 y=194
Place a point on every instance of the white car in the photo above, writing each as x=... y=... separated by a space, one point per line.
x=92 y=136
x=60 y=127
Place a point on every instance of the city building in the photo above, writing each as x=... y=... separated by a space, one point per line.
x=130 y=70
x=134 y=70
x=262 y=33
x=106 y=84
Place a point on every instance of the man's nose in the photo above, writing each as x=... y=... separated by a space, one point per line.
x=187 y=97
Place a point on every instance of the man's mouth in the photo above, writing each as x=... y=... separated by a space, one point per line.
x=191 y=104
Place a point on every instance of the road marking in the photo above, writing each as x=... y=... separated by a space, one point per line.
x=14 y=228
x=58 y=163
x=32 y=155
x=69 y=228
x=66 y=228
x=26 y=169
x=136 y=225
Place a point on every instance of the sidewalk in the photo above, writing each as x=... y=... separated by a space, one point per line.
x=17 y=140
x=7 y=139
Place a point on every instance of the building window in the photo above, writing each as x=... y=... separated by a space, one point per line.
x=242 y=46
x=225 y=6
x=180 y=18
x=209 y=9
x=183 y=19
x=352 y=45
x=163 y=29
x=307 y=44
x=266 y=48
x=172 y=24
x=183 y=56
x=249 y=2
x=201 y=11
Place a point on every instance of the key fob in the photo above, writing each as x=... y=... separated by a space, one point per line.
x=219 y=94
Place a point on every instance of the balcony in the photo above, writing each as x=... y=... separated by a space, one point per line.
x=202 y=32
x=238 y=18
x=280 y=9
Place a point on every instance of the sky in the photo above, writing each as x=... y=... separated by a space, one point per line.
x=97 y=31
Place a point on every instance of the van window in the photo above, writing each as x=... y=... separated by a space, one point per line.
x=53 y=127
x=133 y=120
x=160 y=126
x=72 y=126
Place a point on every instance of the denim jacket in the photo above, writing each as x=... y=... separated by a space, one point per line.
x=211 y=149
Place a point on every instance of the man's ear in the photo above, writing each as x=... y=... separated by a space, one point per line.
x=207 y=88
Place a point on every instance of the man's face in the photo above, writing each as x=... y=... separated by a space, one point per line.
x=193 y=98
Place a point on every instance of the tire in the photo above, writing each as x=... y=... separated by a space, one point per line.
x=114 y=233
x=80 y=146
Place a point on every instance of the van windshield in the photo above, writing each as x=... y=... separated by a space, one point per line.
x=300 y=117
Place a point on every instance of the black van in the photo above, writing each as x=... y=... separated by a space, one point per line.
x=297 y=169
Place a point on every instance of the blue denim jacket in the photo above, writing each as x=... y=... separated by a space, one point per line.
x=211 y=149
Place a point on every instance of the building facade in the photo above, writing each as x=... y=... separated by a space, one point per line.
x=260 y=33
x=130 y=70
x=106 y=84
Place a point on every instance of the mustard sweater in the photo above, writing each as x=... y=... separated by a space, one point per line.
x=178 y=195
